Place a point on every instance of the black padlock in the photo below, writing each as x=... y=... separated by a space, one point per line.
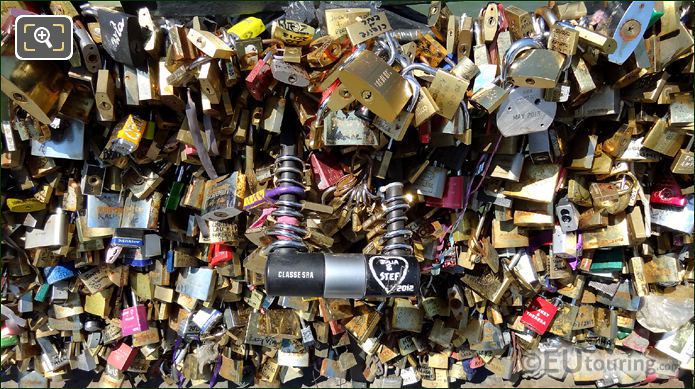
x=121 y=36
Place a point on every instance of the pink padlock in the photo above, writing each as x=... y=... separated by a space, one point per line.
x=134 y=319
x=122 y=357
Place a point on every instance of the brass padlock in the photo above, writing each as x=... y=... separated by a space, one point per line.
x=536 y=68
x=33 y=85
x=376 y=85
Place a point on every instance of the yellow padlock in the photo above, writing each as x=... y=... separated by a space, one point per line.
x=25 y=205
x=248 y=28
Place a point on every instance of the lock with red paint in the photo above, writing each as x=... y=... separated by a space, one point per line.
x=134 y=319
x=539 y=314
x=260 y=78
x=453 y=194
x=667 y=191
x=122 y=357
x=219 y=253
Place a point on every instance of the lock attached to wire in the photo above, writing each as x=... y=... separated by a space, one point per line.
x=291 y=271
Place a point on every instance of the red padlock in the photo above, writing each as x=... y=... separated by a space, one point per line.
x=667 y=191
x=219 y=253
x=538 y=315
x=260 y=78
x=425 y=132
x=453 y=194
x=190 y=151
x=326 y=169
x=122 y=357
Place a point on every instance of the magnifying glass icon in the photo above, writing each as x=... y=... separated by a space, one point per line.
x=42 y=35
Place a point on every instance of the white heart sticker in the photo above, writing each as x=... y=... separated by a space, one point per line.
x=388 y=271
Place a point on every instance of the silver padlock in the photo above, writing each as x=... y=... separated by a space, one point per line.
x=289 y=73
x=567 y=215
x=432 y=181
x=539 y=148
x=88 y=49
x=630 y=29
x=525 y=112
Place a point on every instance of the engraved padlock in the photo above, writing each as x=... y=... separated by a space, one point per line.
x=376 y=85
x=446 y=89
x=524 y=111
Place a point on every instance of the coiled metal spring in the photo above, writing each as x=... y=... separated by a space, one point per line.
x=287 y=230
x=396 y=236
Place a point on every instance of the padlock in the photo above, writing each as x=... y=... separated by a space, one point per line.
x=122 y=357
x=35 y=86
x=631 y=27
x=464 y=38
x=326 y=50
x=134 y=318
x=51 y=358
x=453 y=194
x=567 y=215
x=431 y=181
x=520 y=24
x=376 y=85
x=536 y=68
x=88 y=49
x=209 y=44
x=247 y=28
x=437 y=18
x=260 y=78
x=121 y=35
x=292 y=32
x=447 y=90
x=152 y=34
x=539 y=314
x=666 y=191
x=219 y=253
x=211 y=82
x=480 y=52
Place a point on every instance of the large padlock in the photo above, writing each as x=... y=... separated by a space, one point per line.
x=536 y=68
x=376 y=85
x=33 y=85
x=630 y=29
x=524 y=110
x=121 y=35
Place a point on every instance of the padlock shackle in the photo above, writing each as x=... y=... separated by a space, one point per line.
x=390 y=46
x=198 y=62
x=478 y=33
x=415 y=89
x=514 y=50
x=419 y=66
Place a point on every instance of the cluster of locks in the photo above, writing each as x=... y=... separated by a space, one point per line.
x=342 y=196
